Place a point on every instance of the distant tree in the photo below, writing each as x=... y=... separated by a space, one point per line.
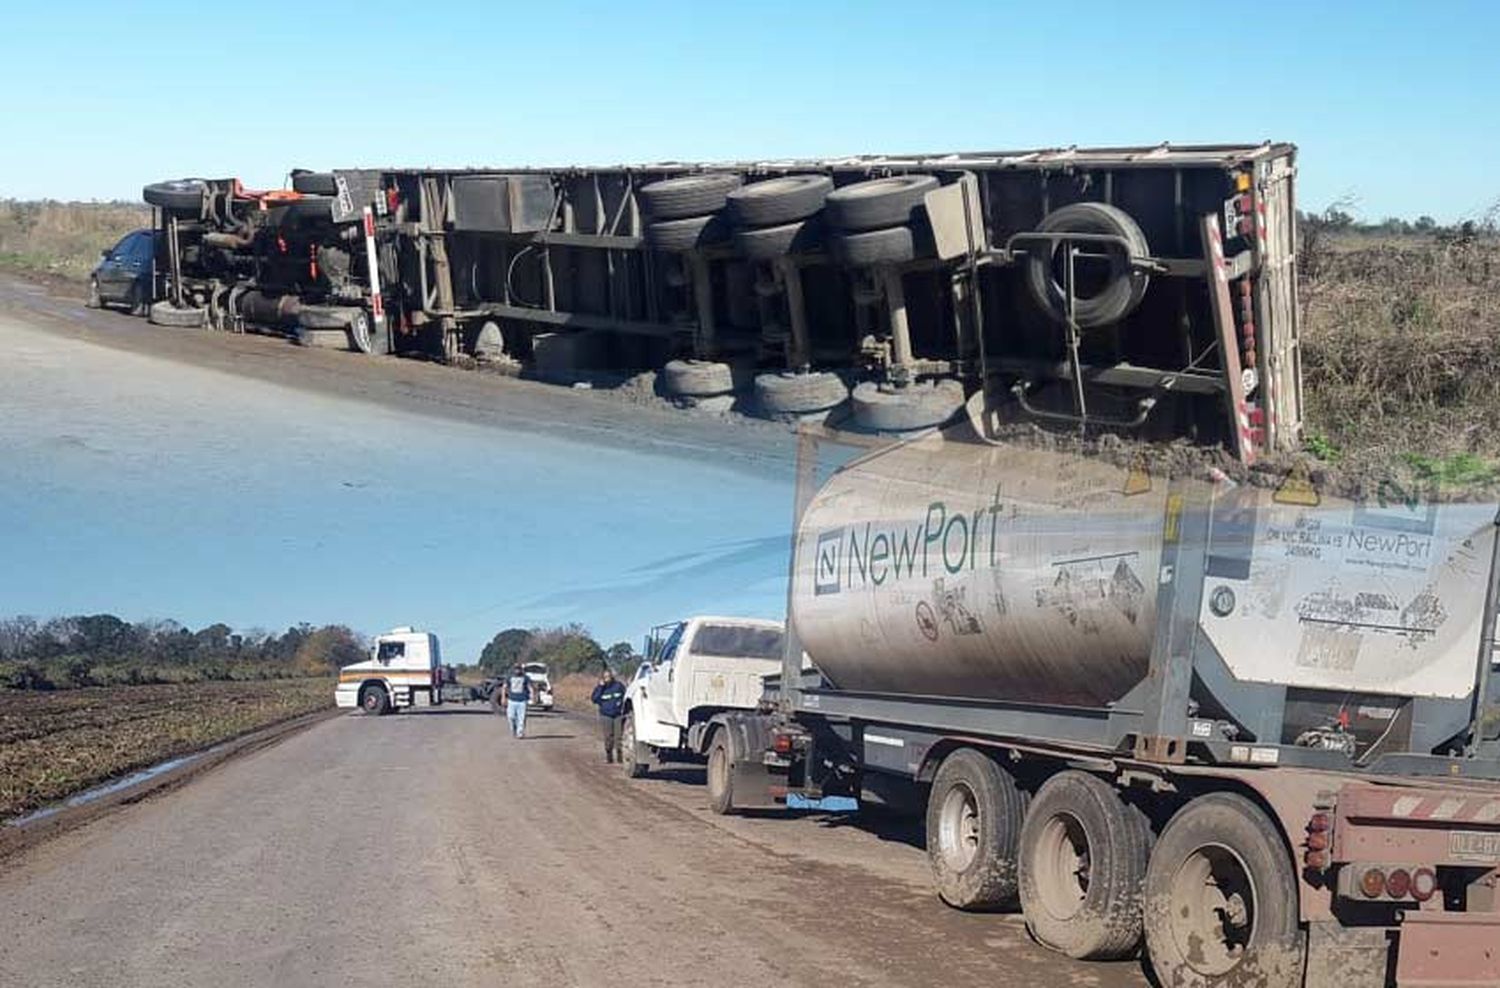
x=505 y=649
x=326 y=649
x=622 y=658
x=1424 y=224
x=17 y=635
x=566 y=649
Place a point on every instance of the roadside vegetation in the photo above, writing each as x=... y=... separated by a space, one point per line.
x=566 y=649
x=54 y=744
x=63 y=239
x=91 y=650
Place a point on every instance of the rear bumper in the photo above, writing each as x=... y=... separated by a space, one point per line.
x=1449 y=950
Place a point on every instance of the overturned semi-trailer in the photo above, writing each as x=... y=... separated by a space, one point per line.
x=1152 y=289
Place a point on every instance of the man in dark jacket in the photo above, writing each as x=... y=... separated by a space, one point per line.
x=609 y=697
x=517 y=694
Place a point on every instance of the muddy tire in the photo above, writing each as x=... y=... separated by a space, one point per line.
x=692 y=233
x=374 y=700
x=974 y=817
x=894 y=245
x=778 y=201
x=183 y=195
x=878 y=203
x=1116 y=292
x=1221 y=899
x=637 y=756
x=721 y=774
x=880 y=408
x=93 y=300
x=497 y=701
x=314 y=183
x=787 y=394
x=1083 y=867
x=136 y=302
x=697 y=378
x=687 y=196
x=770 y=242
x=164 y=313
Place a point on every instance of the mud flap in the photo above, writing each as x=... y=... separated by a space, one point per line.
x=749 y=736
x=1346 y=957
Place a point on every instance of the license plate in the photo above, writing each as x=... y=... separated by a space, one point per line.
x=1470 y=845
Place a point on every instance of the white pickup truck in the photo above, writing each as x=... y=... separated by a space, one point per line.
x=404 y=669
x=694 y=670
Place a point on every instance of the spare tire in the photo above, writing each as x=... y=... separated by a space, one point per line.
x=878 y=203
x=778 y=200
x=314 y=183
x=183 y=195
x=880 y=408
x=770 y=242
x=894 y=245
x=1122 y=286
x=690 y=233
x=697 y=378
x=690 y=195
x=164 y=313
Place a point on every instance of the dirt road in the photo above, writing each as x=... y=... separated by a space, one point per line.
x=621 y=418
x=431 y=848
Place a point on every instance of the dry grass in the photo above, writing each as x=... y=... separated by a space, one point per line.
x=1401 y=353
x=572 y=692
x=63 y=239
x=58 y=743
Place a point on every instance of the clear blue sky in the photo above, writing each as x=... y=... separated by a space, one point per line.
x=1391 y=103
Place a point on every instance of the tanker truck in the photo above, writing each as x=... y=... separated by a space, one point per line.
x=1254 y=730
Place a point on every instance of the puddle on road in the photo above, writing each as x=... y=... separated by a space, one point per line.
x=110 y=788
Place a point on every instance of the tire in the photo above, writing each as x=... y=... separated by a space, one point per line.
x=485 y=341
x=363 y=336
x=877 y=203
x=778 y=201
x=687 y=196
x=721 y=774
x=880 y=408
x=314 y=183
x=1227 y=845
x=1123 y=286
x=893 y=245
x=497 y=701
x=974 y=817
x=93 y=300
x=637 y=756
x=790 y=394
x=164 y=313
x=1083 y=867
x=697 y=378
x=692 y=233
x=770 y=242
x=328 y=316
x=374 y=700
x=183 y=195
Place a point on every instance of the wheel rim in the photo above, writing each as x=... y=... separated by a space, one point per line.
x=1213 y=910
x=360 y=327
x=958 y=827
x=1061 y=866
x=372 y=702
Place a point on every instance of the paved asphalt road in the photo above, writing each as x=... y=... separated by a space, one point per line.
x=431 y=848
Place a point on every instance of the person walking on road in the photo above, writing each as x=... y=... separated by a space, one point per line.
x=517 y=695
x=609 y=697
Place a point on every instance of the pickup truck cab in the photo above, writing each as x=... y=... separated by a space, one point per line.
x=404 y=669
x=695 y=670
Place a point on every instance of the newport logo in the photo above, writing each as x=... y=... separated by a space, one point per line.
x=826 y=570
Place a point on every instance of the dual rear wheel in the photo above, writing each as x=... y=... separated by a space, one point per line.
x=1213 y=897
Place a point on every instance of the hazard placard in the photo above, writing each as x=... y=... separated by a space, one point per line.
x=1297 y=488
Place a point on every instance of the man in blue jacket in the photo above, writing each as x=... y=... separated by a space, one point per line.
x=517 y=695
x=609 y=697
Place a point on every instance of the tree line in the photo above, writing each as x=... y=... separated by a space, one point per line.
x=104 y=650
x=566 y=649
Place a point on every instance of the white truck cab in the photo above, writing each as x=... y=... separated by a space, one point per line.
x=404 y=669
x=695 y=669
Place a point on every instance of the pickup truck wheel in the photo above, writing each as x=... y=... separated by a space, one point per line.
x=497 y=701
x=1083 y=865
x=720 y=775
x=637 y=756
x=974 y=814
x=374 y=700
x=94 y=301
x=1221 y=899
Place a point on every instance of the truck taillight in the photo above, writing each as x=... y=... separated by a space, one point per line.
x=1423 y=884
x=1398 y=883
x=1372 y=883
x=782 y=744
x=1315 y=858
